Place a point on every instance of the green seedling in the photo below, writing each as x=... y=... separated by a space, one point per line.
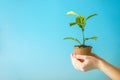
x=80 y=21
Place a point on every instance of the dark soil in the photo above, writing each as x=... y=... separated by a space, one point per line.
x=82 y=46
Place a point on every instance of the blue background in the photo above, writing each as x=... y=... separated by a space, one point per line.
x=32 y=32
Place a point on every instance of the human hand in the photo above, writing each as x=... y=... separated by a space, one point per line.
x=88 y=62
x=85 y=62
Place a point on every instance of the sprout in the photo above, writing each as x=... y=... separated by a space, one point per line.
x=80 y=21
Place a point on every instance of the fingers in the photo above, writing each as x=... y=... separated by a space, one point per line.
x=78 y=56
x=81 y=57
x=88 y=63
x=73 y=58
x=84 y=57
x=75 y=62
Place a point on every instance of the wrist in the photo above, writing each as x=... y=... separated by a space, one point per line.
x=100 y=63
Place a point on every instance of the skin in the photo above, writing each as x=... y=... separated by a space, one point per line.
x=85 y=63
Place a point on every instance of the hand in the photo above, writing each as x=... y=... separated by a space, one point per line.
x=85 y=62
x=88 y=62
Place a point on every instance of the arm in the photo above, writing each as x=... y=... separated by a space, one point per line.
x=92 y=62
x=110 y=70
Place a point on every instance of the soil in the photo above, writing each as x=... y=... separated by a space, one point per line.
x=81 y=46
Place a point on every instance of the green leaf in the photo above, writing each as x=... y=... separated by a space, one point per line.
x=72 y=23
x=74 y=39
x=91 y=16
x=92 y=38
x=80 y=20
x=72 y=13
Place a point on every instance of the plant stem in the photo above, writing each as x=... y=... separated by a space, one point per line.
x=83 y=36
